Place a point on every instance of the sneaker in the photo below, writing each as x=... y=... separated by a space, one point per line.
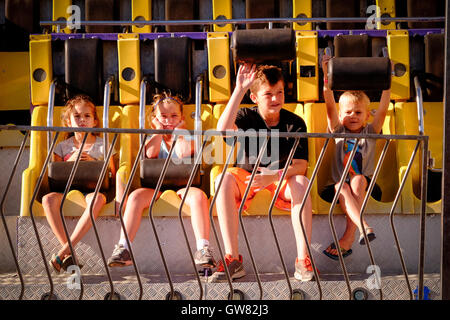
x=303 y=270
x=120 y=257
x=235 y=268
x=204 y=258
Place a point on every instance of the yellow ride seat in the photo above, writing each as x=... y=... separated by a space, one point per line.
x=75 y=202
x=407 y=123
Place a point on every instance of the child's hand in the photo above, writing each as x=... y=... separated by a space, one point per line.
x=156 y=124
x=325 y=59
x=181 y=125
x=84 y=156
x=245 y=76
x=263 y=179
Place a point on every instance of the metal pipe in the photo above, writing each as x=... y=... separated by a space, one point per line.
x=242 y=21
x=66 y=191
x=91 y=213
x=150 y=213
x=211 y=206
x=122 y=223
x=364 y=204
x=330 y=217
x=106 y=102
x=142 y=98
x=419 y=101
x=198 y=111
x=423 y=214
x=51 y=105
x=33 y=198
x=391 y=217
x=272 y=203
x=2 y=209
x=241 y=209
x=307 y=192
x=194 y=170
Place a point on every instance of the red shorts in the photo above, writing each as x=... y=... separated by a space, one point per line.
x=241 y=175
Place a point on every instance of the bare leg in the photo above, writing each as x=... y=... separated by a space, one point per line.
x=51 y=203
x=84 y=223
x=227 y=213
x=138 y=200
x=295 y=192
x=198 y=205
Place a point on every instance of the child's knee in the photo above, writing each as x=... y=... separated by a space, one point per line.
x=51 y=199
x=101 y=199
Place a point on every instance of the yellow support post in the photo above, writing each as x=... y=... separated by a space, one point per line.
x=307 y=66
x=385 y=8
x=141 y=10
x=129 y=67
x=222 y=10
x=41 y=70
x=398 y=47
x=302 y=9
x=59 y=12
x=219 y=66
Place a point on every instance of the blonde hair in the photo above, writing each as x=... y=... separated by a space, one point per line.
x=266 y=74
x=68 y=110
x=164 y=97
x=354 y=96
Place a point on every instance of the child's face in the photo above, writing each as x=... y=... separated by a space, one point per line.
x=82 y=116
x=353 y=115
x=168 y=114
x=270 y=99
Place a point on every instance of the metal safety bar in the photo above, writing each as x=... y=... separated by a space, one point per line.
x=421 y=140
x=66 y=191
x=2 y=211
x=242 y=21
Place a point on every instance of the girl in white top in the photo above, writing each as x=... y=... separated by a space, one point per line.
x=79 y=112
x=166 y=115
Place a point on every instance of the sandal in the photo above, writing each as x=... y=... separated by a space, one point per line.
x=345 y=253
x=370 y=236
x=56 y=263
x=68 y=261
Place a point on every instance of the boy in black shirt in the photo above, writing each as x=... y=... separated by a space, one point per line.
x=266 y=86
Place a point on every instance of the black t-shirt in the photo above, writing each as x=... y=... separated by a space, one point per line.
x=278 y=149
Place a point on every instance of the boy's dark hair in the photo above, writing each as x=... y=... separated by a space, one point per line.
x=266 y=74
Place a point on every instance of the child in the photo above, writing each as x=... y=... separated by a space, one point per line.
x=352 y=118
x=79 y=112
x=266 y=86
x=166 y=115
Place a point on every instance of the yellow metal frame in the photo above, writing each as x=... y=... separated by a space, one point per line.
x=129 y=57
x=40 y=58
x=385 y=7
x=75 y=202
x=222 y=8
x=407 y=123
x=316 y=121
x=219 y=57
x=398 y=47
x=59 y=10
x=15 y=81
x=261 y=201
x=307 y=55
x=302 y=7
x=141 y=8
x=168 y=203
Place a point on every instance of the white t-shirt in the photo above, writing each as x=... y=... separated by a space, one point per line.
x=66 y=148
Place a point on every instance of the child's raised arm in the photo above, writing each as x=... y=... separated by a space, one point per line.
x=380 y=115
x=332 y=115
x=244 y=79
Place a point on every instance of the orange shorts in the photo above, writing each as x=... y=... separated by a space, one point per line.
x=241 y=175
